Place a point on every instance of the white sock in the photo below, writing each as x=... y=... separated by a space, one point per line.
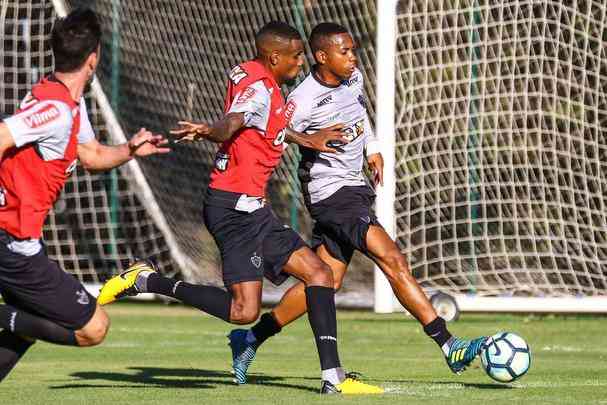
x=334 y=375
x=141 y=282
x=251 y=339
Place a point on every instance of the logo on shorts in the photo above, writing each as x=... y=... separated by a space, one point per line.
x=83 y=298
x=366 y=219
x=256 y=260
x=11 y=322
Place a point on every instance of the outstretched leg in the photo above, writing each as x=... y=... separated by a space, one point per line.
x=381 y=248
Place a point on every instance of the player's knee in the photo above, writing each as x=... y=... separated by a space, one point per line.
x=321 y=275
x=95 y=330
x=243 y=314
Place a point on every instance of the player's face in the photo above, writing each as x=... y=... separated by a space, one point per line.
x=340 y=56
x=291 y=60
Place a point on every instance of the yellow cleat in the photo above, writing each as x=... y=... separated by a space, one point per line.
x=123 y=284
x=350 y=386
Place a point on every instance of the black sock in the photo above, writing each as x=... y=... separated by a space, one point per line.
x=12 y=348
x=266 y=327
x=437 y=330
x=321 y=313
x=212 y=300
x=25 y=324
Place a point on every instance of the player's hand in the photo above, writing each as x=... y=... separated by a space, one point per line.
x=376 y=164
x=191 y=132
x=145 y=143
x=328 y=140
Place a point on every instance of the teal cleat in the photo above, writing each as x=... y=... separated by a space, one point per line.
x=243 y=354
x=463 y=352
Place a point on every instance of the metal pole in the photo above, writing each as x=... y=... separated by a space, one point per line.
x=385 y=127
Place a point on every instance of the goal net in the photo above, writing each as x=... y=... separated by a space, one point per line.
x=500 y=136
x=501 y=117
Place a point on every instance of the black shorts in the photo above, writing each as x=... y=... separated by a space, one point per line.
x=342 y=221
x=252 y=245
x=37 y=285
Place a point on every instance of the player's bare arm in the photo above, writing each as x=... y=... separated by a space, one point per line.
x=96 y=156
x=6 y=139
x=319 y=140
x=218 y=132
x=376 y=164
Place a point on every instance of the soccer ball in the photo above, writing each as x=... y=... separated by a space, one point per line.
x=506 y=357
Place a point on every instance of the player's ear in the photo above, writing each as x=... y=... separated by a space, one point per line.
x=274 y=58
x=320 y=56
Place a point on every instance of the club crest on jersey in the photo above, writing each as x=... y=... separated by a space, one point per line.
x=42 y=116
x=2 y=197
x=290 y=110
x=246 y=95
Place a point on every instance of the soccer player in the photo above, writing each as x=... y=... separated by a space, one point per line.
x=340 y=201
x=251 y=240
x=39 y=148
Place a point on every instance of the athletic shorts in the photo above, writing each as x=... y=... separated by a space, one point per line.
x=37 y=285
x=253 y=244
x=342 y=221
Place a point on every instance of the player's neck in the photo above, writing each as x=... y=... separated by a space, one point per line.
x=326 y=77
x=75 y=83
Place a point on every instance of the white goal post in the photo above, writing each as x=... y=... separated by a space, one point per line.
x=491 y=116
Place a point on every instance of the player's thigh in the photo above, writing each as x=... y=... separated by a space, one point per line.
x=279 y=245
x=338 y=267
x=247 y=293
x=37 y=285
x=306 y=266
x=380 y=246
x=239 y=238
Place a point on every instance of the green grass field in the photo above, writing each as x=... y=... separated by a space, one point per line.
x=158 y=354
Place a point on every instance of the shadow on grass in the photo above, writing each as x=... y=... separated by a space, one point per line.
x=171 y=377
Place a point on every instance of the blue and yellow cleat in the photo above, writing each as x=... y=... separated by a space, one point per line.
x=350 y=386
x=463 y=352
x=243 y=354
x=123 y=284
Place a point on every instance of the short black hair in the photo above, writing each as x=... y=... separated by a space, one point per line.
x=74 y=38
x=322 y=32
x=276 y=29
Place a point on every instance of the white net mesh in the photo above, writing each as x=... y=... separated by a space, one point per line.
x=99 y=224
x=501 y=150
x=501 y=145
x=162 y=61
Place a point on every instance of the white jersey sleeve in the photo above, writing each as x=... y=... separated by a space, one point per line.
x=86 y=133
x=254 y=102
x=47 y=122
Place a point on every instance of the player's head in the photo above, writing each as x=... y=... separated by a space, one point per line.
x=281 y=48
x=334 y=49
x=75 y=41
